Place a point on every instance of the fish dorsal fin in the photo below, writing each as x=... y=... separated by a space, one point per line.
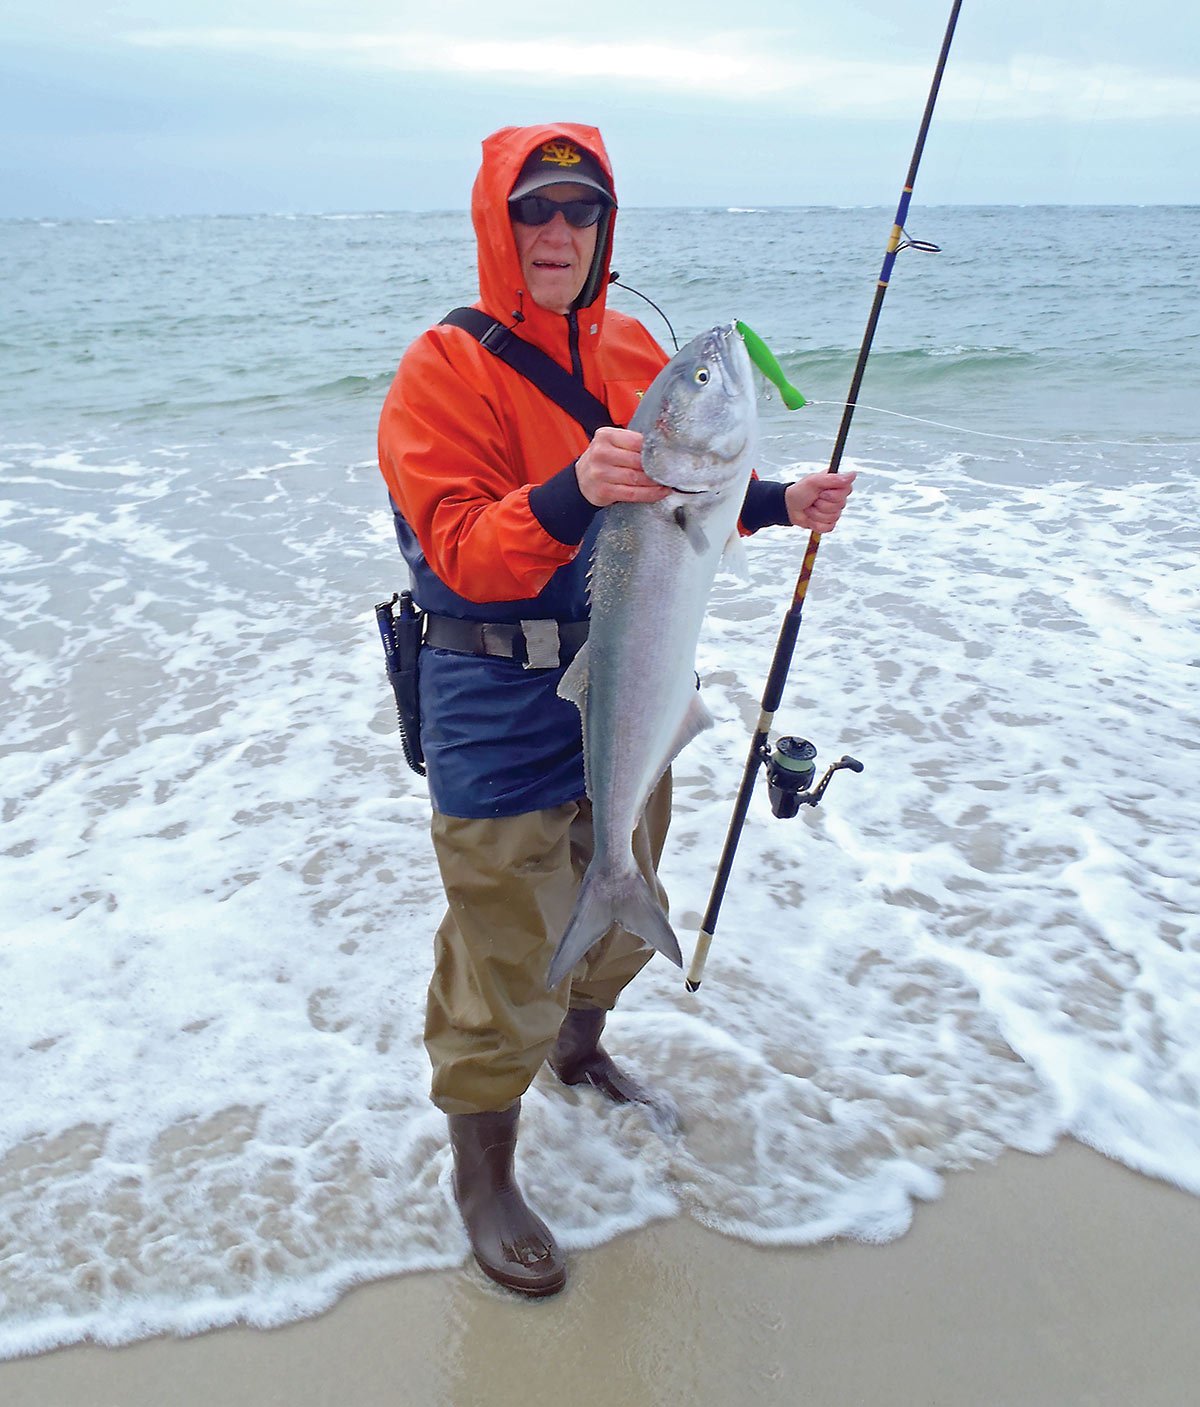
x=573 y=686
x=691 y=529
x=574 y=683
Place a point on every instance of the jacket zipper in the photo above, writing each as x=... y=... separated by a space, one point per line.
x=573 y=338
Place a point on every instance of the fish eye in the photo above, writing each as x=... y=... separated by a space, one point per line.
x=702 y=376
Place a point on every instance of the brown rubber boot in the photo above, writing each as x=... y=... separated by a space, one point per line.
x=578 y=1058
x=513 y=1246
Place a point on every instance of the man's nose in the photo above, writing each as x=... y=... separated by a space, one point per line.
x=557 y=225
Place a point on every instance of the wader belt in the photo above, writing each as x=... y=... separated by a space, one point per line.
x=537 y=644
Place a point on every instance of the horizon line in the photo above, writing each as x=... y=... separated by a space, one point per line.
x=707 y=207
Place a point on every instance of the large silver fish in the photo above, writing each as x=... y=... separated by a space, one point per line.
x=652 y=571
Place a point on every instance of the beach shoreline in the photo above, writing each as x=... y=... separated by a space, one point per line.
x=1059 y=1280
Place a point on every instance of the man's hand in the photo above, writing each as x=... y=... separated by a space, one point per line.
x=610 y=470
x=816 y=501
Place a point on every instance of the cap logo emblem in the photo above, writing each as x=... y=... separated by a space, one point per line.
x=560 y=154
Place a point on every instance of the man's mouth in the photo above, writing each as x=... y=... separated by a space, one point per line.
x=549 y=264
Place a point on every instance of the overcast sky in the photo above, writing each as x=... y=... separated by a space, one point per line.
x=259 y=105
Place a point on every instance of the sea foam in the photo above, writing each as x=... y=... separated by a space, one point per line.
x=220 y=896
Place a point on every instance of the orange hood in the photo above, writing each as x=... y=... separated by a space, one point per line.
x=501 y=284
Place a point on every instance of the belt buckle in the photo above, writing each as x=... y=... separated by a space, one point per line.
x=541 y=644
x=495 y=640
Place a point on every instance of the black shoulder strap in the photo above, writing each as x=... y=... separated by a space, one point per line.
x=535 y=366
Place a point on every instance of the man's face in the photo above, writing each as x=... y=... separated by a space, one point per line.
x=556 y=257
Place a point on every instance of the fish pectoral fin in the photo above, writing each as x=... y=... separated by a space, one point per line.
x=734 y=559
x=606 y=899
x=692 y=530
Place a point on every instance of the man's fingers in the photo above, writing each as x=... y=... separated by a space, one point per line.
x=615 y=435
x=631 y=478
x=637 y=491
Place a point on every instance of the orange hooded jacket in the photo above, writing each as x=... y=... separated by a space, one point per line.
x=463 y=437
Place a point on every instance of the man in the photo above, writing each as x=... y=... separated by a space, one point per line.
x=498 y=492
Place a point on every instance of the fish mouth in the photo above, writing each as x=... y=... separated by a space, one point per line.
x=718 y=344
x=723 y=333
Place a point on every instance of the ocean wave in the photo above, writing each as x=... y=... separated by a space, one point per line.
x=283 y=401
x=961 y=353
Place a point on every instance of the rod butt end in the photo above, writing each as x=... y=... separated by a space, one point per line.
x=695 y=973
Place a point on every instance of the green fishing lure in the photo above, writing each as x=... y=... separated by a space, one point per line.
x=763 y=358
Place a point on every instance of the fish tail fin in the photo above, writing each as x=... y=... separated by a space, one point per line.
x=607 y=898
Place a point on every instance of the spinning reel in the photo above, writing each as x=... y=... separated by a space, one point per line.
x=790 y=771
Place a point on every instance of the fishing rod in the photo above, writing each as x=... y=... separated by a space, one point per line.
x=791 y=766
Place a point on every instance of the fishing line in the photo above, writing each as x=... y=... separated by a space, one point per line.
x=1014 y=91
x=1014 y=439
x=969 y=138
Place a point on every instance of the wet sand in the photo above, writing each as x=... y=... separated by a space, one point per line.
x=1060 y=1281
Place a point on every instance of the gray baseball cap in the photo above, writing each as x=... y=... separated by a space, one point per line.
x=559 y=161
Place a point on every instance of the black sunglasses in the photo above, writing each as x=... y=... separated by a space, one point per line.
x=538 y=210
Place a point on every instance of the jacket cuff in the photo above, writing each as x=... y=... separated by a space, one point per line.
x=764 y=506
x=561 y=508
